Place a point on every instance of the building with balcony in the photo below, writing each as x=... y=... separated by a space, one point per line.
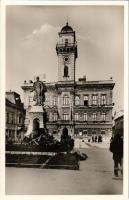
x=15 y=116
x=80 y=107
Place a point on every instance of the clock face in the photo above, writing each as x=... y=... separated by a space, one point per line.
x=66 y=59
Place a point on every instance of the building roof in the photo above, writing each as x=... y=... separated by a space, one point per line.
x=78 y=84
x=120 y=117
x=13 y=99
x=66 y=29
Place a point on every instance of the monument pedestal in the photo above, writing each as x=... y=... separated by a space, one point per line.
x=35 y=119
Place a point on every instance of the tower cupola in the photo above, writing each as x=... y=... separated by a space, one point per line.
x=66 y=49
x=67 y=29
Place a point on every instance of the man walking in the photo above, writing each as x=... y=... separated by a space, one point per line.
x=116 y=147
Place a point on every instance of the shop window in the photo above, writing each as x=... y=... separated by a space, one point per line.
x=103 y=132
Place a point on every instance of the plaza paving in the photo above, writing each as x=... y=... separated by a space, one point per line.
x=95 y=176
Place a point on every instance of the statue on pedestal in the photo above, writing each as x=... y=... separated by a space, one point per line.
x=39 y=91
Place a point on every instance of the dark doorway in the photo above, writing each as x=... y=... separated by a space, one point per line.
x=65 y=131
x=35 y=124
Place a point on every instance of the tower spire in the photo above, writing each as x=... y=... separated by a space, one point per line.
x=67 y=20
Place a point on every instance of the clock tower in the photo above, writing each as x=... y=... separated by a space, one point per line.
x=66 y=49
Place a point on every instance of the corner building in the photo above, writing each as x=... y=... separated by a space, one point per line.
x=78 y=107
x=15 y=117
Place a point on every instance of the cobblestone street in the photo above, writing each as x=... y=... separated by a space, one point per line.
x=95 y=177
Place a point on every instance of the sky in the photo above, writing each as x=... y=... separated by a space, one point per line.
x=32 y=34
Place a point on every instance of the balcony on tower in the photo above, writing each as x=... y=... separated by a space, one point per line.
x=67 y=41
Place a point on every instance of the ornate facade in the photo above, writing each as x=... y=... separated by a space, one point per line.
x=82 y=107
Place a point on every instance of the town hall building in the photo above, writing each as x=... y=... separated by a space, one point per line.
x=78 y=107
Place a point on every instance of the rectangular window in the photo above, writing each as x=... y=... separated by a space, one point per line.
x=85 y=132
x=85 y=100
x=30 y=99
x=55 y=117
x=85 y=116
x=103 y=116
x=77 y=100
x=103 y=99
x=54 y=101
x=20 y=119
x=94 y=116
x=76 y=116
x=65 y=116
x=13 y=118
x=65 y=100
x=94 y=99
x=7 y=117
x=66 y=42
x=47 y=101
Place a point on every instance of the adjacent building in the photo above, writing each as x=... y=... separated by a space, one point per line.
x=15 y=117
x=78 y=107
x=118 y=125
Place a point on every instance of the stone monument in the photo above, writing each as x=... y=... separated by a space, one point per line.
x=39 y=92
x=37 y=113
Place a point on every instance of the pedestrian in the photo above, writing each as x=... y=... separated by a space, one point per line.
x=92 y=138
x=99 y=139
x=96 y=138
x=111 y=139
x=116 y=147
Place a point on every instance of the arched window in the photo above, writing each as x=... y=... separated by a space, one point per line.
x=77 y=100
x=65 y=71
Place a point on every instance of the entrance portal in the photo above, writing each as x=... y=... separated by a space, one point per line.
x=35 y=124
x=65 y=131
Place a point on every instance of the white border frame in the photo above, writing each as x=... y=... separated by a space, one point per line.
x=2 y=99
